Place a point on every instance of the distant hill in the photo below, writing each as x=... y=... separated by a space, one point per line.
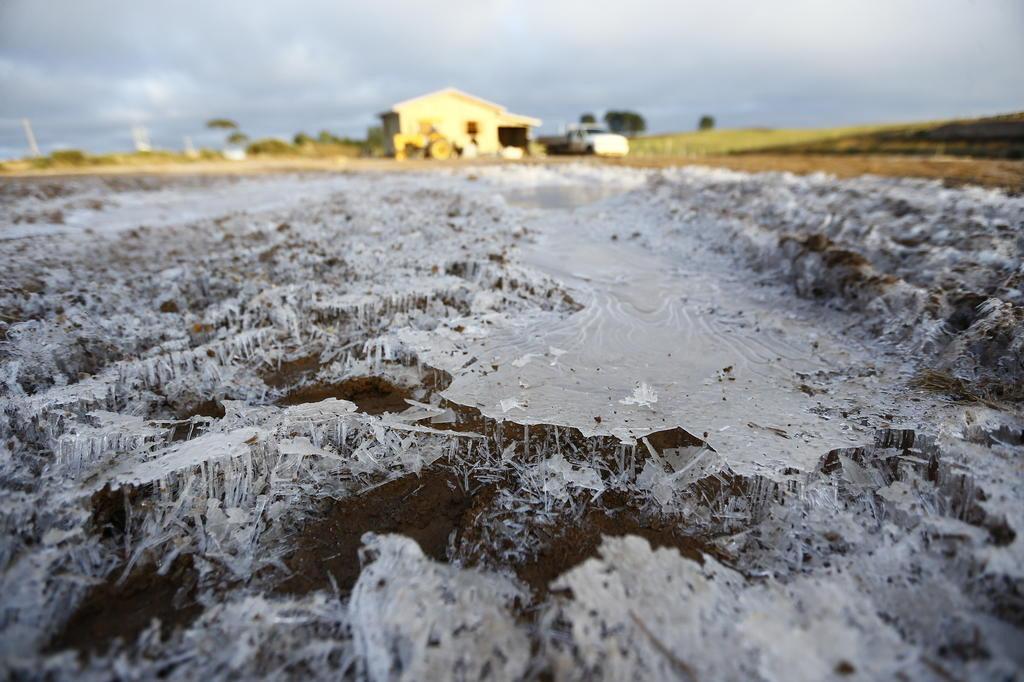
x=999 y=137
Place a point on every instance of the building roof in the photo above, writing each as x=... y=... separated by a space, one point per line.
x=503 y=113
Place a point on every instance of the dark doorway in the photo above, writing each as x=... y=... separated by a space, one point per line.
x=512 y=137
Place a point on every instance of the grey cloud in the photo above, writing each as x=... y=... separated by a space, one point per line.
x=85 y=72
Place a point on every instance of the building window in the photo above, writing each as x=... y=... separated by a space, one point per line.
x=471 y=128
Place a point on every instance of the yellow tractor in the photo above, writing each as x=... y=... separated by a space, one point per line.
x=427 y=143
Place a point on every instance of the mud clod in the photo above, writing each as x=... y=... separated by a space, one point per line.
x=208 y=408
x=122 y=610
x=579 y=541
x=372 y=395
x=110 y=509
x=291 y=372
x=427 y=508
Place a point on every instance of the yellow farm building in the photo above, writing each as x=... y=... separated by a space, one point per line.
x=451 y=122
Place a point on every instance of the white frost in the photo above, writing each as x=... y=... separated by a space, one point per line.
x=643 y=395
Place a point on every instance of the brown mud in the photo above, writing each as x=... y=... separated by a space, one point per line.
x=116 y=610
x=185 y=427
x=371 y=394
x=111 y=509
x=427 y=508
x=445 y=520
x=291 y=372
x=576 y=541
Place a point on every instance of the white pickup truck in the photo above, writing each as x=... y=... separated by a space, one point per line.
x=587 y=139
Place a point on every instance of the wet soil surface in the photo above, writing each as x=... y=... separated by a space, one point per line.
x=291 y=372
x=575 y=542
x=444 y=519
x=371 y=394
x=122 y=610
x=426 y=508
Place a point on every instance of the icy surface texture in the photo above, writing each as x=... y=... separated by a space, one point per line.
x=642 y=614
x=938 y=269
x=601 y=423
x=414 y=619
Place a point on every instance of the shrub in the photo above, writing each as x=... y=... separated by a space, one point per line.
x=70 y=157
x=374 y=144
x=706 y=122
x=270 y=146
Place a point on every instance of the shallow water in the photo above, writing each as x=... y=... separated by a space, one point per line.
x=721 y=363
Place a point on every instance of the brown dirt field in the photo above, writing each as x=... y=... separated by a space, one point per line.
x=1008 y=175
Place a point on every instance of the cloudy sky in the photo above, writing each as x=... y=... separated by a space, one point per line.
x=85 y=72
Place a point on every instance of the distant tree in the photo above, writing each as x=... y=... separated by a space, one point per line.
x=635 y=123
x=302 y=139
x=269 y=146
x=221 y=124
x=235 y=137
x=374 y=145
x=327 y=137
x=707 y=122
x=625 y=122
x=588 y=118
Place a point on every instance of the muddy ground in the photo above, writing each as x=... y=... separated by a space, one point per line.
x=572 y=421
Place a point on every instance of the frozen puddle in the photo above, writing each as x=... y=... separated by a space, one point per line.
x=658 y=344
x=560 y=197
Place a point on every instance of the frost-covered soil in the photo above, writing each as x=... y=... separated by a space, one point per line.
x=511 y=422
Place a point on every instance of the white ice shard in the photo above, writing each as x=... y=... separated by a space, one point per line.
x=416 y=619
x=637 y=613
x=512 y=403
x=303 y=447
x=558 y=475
x=325 y=409
x=209 y=447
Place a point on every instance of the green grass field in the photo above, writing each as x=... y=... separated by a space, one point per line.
x=993 y=137
x=731 y=140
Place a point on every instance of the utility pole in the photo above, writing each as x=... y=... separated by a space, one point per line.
x=31 y=137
